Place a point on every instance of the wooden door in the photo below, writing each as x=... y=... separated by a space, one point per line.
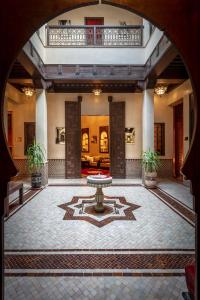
x=93 y=34
x=117 y=139
x=72 y=139
x=178 y=139
x=29 y=134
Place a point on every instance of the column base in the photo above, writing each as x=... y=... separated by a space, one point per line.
x=44 y=171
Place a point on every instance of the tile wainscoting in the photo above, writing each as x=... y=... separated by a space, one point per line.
x=56 y=168
x=21 y=166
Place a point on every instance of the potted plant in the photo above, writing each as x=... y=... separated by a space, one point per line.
x=35 y=160
x=151 y=163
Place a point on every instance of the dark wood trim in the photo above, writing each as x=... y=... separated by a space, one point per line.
x=117 y=139
x=178 y=138
x=72 y=139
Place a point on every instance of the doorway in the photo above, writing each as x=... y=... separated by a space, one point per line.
x=10 y=131
x=178 y=139
x=94 y=34
x=95 y=148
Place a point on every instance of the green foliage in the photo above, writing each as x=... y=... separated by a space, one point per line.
x=35 y=157
x=150 y=161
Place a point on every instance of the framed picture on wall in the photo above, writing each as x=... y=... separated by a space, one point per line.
x=130 y=135
x=94 y=139
x=60 y=135
x=85 y=140
x=103 y=139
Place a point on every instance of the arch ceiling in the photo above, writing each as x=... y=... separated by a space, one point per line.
x=20 y=19
x=180 y=19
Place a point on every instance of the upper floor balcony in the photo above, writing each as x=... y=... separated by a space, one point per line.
x=94 y=36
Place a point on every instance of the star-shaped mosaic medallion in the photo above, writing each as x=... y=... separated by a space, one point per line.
x=83 y=209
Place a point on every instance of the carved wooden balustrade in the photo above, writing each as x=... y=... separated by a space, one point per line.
x=95 y=36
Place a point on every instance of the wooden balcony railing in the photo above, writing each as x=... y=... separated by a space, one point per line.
x=94 y=36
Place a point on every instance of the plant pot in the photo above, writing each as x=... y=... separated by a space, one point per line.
x=150 y=180
x=36 y=180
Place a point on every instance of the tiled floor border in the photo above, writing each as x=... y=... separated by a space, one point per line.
x=94 y=274
x=186 y=213
x=177 y=200
x=15 y=206
x=102 y=250
x=97 y=261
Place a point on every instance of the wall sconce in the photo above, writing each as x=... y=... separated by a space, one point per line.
x=28 y=91
x=160 y=90
x=97 y=92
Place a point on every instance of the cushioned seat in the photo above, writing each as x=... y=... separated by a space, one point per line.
x=105 y=163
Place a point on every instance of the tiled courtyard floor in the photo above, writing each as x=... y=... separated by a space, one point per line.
x=49 y=257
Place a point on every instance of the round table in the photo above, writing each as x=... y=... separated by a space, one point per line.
x=99 y=181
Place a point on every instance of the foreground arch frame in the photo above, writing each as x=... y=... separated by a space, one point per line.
x=180 y=19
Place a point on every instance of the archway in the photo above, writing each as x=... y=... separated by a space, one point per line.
x=174 y=22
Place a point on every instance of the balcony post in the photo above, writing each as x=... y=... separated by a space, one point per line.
x=95 y=36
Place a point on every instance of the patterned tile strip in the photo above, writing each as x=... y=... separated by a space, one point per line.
x=94 y=274
x=98 y=250
x=182 y=210
x=98 y=261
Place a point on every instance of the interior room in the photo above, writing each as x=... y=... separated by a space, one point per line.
x=99 y=119
x=95 y=157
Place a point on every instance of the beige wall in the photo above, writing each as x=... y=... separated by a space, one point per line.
x=112 y=15
x=93 y=123
x=164 y=114
x=93 y=106
x=133 y=118
x=182 y=93
x=24 y=112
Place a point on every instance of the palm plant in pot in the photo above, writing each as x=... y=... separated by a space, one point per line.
x=35 y=160
x=151 y=163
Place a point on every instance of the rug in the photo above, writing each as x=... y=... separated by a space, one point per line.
x=93 y=171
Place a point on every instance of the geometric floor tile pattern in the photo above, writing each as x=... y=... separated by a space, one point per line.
x=40 y=225
x=83 y=208
x=95 y=288
x=98 y=261
x=143 y=258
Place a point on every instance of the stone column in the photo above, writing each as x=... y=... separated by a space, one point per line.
x=148 y=120
x=41 y=129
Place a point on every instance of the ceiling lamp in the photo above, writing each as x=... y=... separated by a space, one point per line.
x=97 y=92
x=28 y=91
x=160 y=90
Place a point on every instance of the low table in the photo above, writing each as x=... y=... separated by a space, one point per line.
x=99 y=181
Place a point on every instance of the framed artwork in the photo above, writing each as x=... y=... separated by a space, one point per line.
x=94 y=139
x=130 y=135
x=103 y=139
x=60 y=135
x=85 y=140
